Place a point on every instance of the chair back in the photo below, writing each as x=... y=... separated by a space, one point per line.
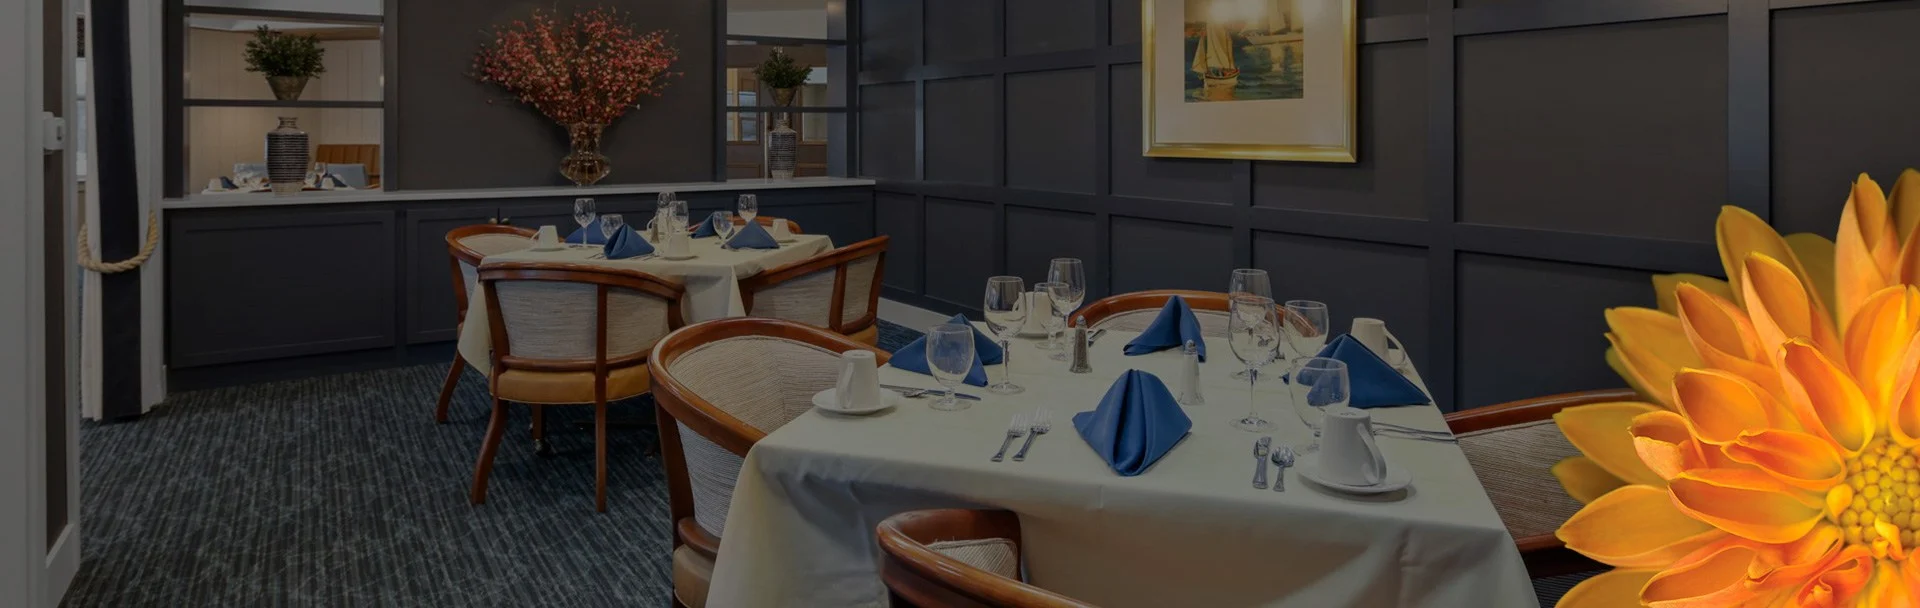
x=1136 y=311
x=467 y=245
x=563 y=317
x=719 y=387
x=958 y=557
x=838 y=290
x=1513 y=447
x=792 y=226
x=365 y=155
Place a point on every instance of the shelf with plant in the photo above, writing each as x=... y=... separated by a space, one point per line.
x=287 y=61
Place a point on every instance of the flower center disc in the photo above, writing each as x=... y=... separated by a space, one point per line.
x=1886 y=486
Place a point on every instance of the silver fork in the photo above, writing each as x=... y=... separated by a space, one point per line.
x=1039 y=424
x=1015 y=428
x=911 y=393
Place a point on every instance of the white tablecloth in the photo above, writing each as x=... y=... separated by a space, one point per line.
x=712 y=279
x=1191 y=531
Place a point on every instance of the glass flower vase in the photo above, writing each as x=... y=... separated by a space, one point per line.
x=584 y=164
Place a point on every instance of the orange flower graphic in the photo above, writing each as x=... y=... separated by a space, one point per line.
x=1773 y=462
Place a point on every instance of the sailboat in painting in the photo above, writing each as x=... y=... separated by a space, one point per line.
x=1213 y=61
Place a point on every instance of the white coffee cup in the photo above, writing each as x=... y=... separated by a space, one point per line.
x=779 y=229
x=1373 y=334
x=679 y=244
x=1039 y=305
x=1348 y=453
x=859 y=385
x=547 y=238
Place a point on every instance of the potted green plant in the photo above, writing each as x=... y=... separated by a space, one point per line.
x=781 y=74
x=286 y=60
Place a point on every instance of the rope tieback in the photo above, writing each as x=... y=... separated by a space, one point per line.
x=85 y=257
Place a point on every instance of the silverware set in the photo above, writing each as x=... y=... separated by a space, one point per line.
x=1095 y=336
x=1015 y=428
x=914 y=392
x=1032 y=426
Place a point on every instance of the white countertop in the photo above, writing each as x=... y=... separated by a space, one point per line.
x=263 y=199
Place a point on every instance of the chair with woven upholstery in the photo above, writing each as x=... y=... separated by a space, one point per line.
x=958 y=557
x=792 y=226
x=568 y=334
x=838 y=290
x=719 y=387
x=1135 y=311
x=1513 y=447
x=466 y=246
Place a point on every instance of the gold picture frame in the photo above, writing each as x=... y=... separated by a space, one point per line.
x=1153 y=144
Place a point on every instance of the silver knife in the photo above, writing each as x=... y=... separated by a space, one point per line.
x=930 y=391
x=1095 y=336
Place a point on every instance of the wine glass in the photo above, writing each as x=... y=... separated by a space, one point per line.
x=1005 y=310
x=749 y=207
x=1043 y=294
x=611 y=224
x=1254 y=332
x=1306 y=327
x=949 y=358
x=678 y=211
x=666 y=196
x=723 y=226
x=1074 y=274
x=583 y=215
x=1318 y=383
x=1253 y=282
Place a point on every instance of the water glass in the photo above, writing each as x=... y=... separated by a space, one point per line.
x=1044 y=293
x=949 y=358
x=583 y=214
x=749 y=207
x=1005 y=310
x=1306 y=326
x=678 y=211
x=1254 y=333
x=611 y=224
x=1072 y=273
x=1317 y=384
x=1252 y=282
x=666 y=196
x=723 y=226
x=1065 y=300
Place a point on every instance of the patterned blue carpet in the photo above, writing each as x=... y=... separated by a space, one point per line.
x=341 y=491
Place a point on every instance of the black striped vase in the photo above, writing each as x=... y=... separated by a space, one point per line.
x=287 y=157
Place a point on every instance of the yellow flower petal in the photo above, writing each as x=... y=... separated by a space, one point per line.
x=1887 y=545
x=1610 y=589
x=1782 y=309
x=1626 y=372
x=1723 y=337
x=1838 y=499
x=1653 y=345
x=1665 y=444
x=1865 y=252
x=1602 y=432
x=1635 y=527
x=1789 y=566
x=1665 y=284
x=1739 y=232
x=1877 y=342
x=1839 y=582
x=1816 y=256
x=1584 y=480
x=1905 y=201
x=1801 y=460
x=1713 y=576
x=1828 y=402
x=1903 y=417
x=1747 y=503
x=1887 y=590
x=1721 y=406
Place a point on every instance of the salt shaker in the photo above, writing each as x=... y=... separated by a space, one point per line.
x=1190 y=377
x=1080 y=365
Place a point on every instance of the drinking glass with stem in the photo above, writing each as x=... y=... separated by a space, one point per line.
x=1057 y=309
x=611 y=224
x=1072 y=273
x=1254 y=333
x=1253 y=282
x=1306 y=324
x=723 y=227
x=749 y=207
x=1005 y=310
x=949 y=358
x=583 y=214
x=1317 y=384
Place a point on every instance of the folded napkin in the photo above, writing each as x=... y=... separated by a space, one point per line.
x=333 y=180
x=705 y=229
x=227 y=184
x=1173 y=328
x=985 y=350
x=626 y=244
x=752 y=236
x=913 y=358
x=1135 y=424
x=1374 y=382
x=589 y=235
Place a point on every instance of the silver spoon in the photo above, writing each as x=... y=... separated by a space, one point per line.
x=1283 y=458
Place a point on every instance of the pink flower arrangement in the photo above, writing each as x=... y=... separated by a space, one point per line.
x=590 y=67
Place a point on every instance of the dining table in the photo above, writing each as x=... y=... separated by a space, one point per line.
x=711 y=277
x=1189 y=531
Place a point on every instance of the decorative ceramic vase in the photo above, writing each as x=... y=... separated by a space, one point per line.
x=287 y=157
x=287 y=88
x=783 y=143
x=585 y=165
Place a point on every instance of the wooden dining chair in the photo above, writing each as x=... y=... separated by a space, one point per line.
x=838 y=290
x=570 y=334
x=792 y=226
x=943 y=558
x=1135 y=311
x=466 y=246
x=1513 y=447
x=720 y=386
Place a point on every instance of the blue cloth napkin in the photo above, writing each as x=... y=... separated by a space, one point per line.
x=985 y=350
x=1374 y=382
x=589 y=235
x=705 y=229
x=1173 y=328
x=335 y=179
x=228 y=184
x=626 y=244
x=913 y=358
x=752 y=236
x=1135 y=424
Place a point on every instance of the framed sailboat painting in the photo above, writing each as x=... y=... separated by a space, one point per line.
x=1250 y=79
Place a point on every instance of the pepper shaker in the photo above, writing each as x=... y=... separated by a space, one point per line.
x=1080 y=365
x=1190 y=377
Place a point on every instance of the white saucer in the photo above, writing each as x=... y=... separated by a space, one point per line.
x=1397 y=478
x=677 y=258
x=824 y=401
